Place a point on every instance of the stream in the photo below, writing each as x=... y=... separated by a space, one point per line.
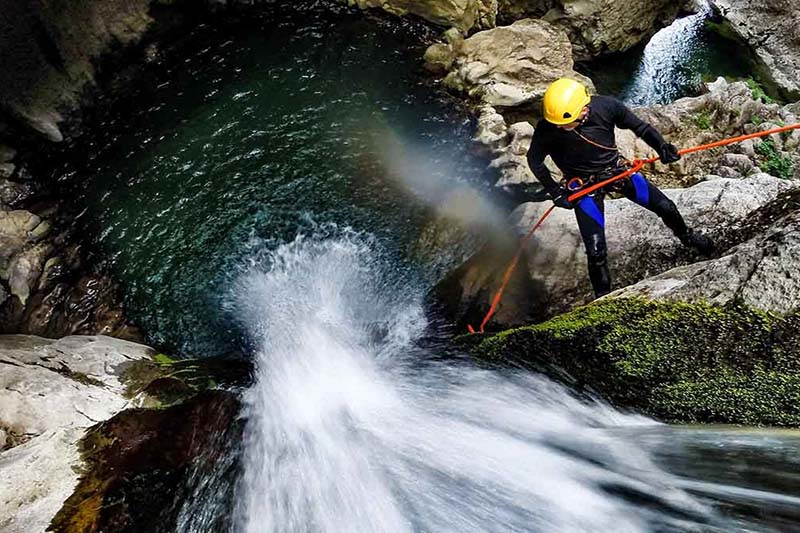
x=266 y=197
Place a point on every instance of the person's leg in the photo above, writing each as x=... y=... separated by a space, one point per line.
x=591 y=222
x=644 y=193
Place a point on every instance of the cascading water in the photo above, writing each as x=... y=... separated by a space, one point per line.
x=352 y=427
x=673 y=63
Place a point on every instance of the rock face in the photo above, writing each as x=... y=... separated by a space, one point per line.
x=772 y=29
x=47 y=53
x=506 y=66
x=596 y=27
x=462 y=14
x=673 y=360
x=44 y=285
x=760 y=273
x=639 y=246
x=724 y=110
x=50 y=392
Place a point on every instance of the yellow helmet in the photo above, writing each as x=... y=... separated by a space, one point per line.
x=564 y=100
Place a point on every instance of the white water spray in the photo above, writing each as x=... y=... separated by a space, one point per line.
x=352 y=428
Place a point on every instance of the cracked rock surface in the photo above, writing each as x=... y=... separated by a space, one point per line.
x=641 y=247
x=50 y=392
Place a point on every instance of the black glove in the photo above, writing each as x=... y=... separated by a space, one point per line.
x=668 y=153
x=561 y=200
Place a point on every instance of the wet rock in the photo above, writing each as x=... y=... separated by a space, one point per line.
x=6 y=170
x=42 y=122
x=639 y=245
x=598 y=27
x=511 y=65
x=147 y=466
x=772 y=28
x=7 y=153
x=676 y=361
x=462 y=14
x=47 y=55
x=15 y=233
x=50 y=392
x=24 y=271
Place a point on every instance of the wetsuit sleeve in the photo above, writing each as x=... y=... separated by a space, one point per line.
x=625 y=119
x=536 y=156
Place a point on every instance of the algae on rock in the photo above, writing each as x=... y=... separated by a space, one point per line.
x=676 y=361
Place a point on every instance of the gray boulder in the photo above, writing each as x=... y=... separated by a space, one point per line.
x=509 y=65
x=555 y=276
x=760 y=272
x=50 y=392
x=772 y=29
x=462 y=14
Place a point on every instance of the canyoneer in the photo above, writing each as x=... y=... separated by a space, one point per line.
x=577 y=132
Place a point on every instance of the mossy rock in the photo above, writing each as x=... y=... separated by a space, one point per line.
x=163 y=381
x=143 y=465
x=677 y=361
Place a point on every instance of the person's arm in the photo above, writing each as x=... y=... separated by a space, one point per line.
x=624 y=118
x=536 y=155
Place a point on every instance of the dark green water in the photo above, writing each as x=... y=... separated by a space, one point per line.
x=303 y=117
x=673 y=64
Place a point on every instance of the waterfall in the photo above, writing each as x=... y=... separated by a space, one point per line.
x=352 y=426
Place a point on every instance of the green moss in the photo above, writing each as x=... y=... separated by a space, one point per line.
x=163 y=359
x=757 y=91
x=677 y=361
x=775 y=163
x=702 y=120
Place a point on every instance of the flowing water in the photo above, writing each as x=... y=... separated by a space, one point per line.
x=265 y=197
x=673 y=64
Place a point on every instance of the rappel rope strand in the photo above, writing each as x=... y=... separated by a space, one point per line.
x=636 y=165
x=594 y=143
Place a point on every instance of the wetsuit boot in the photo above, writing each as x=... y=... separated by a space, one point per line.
x=599 y=276
x=698 y=241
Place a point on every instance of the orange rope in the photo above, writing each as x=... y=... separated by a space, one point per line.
x=636 y=166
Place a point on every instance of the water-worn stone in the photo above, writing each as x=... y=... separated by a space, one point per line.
x=51 y=391
x=676 y=361
x=7 y=170
x=15 y=233
x=462 y=14
x=47 y=53
x=512 y=65
x=639 y=246
x=761 y=272
x=7 y=153
x=596 y=27
x=24 y=270
x=772 y=29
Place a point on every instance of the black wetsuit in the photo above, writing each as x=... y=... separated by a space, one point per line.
x=577 y=154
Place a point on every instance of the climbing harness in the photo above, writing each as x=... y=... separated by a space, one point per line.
x=575 y=184
x=636 y=165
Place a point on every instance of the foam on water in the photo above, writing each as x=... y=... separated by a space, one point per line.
x=352 y=427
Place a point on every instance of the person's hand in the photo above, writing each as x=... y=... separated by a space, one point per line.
x=561 y=200
x=668 y=154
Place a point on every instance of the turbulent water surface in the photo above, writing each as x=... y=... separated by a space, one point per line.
x=266 y=197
